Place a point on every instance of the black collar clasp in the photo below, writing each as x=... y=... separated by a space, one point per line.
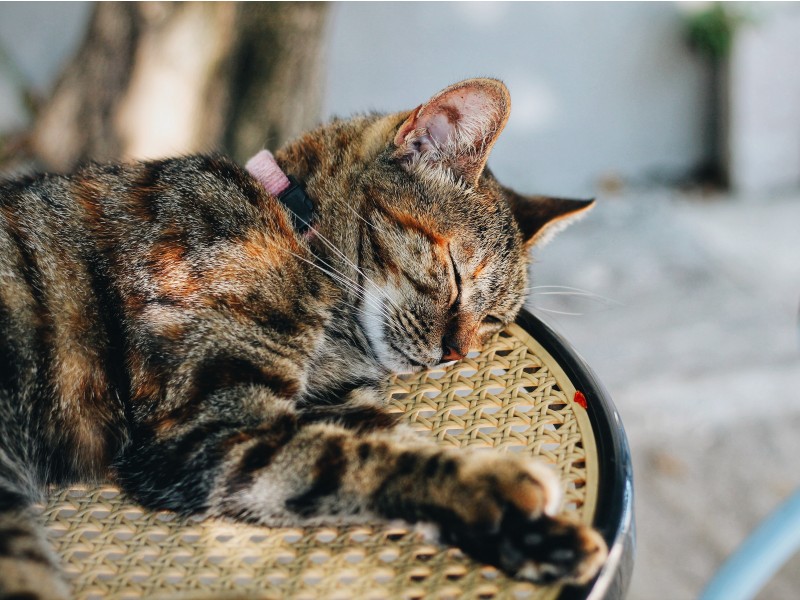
x=299 y=204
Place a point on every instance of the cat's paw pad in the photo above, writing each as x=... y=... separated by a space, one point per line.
x=547 y=549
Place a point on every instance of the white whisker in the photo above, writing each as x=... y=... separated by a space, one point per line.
x=359 y=290
x=340 y=278
x=569 y=291
x=349 y=262
x=559 y=312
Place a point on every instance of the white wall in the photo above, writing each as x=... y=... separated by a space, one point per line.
x=598 y=89
x=764 y=94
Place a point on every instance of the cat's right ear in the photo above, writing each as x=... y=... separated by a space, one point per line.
x=457 y=128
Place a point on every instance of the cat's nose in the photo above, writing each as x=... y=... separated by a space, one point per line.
x=451 y=350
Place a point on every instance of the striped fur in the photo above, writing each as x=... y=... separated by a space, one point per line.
x=162 y=325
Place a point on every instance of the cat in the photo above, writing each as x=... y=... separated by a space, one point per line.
x=180 y=327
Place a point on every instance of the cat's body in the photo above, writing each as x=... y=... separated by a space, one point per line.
x=165 y=324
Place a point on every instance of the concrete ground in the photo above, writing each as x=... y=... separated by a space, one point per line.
x=688 y=311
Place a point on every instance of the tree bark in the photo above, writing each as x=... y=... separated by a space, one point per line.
x=158 y=79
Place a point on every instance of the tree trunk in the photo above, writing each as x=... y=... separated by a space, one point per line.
x=159 y=79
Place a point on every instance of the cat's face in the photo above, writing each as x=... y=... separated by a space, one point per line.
x=448 y=263
x=446 y=257
x=443 y=247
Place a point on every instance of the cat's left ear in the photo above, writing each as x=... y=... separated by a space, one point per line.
x=457 y=128
x=542 y=217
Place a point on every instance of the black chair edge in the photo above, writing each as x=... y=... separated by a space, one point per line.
x=614 y=516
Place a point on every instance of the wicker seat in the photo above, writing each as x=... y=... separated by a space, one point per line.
x=518 y=395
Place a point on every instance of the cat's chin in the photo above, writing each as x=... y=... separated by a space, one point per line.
x=409 y=370
x=401 y=364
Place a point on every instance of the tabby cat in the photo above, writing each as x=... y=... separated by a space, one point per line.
x=174 y=326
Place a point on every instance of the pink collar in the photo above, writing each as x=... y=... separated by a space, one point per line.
x=264 y=168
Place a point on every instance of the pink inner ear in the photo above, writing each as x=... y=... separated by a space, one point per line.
x=457 y=128
x=442 y=125
x=463 y=115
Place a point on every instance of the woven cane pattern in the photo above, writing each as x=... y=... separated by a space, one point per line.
x=512 y=397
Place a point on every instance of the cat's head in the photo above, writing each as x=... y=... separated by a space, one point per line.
x=444 y=247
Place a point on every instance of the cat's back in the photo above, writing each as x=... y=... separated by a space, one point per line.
x=53 y=343
x=97 y=266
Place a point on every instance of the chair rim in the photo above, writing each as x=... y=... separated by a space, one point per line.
x=613 y=516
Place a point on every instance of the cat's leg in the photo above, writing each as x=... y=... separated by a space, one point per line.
x=325 y=465
x=498 y=508
x=28 y=568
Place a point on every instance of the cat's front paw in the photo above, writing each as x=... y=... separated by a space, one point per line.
x=548 y=549
x=506 y=507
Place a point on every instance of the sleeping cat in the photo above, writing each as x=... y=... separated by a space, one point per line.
x=215 y=343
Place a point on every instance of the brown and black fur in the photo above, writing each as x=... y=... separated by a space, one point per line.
x=164 y=325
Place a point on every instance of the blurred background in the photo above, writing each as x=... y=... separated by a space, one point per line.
x=681 y=288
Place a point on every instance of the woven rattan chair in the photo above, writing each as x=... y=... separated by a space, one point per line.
x=526 y=392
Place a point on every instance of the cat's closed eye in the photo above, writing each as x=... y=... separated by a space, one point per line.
x=455 y=281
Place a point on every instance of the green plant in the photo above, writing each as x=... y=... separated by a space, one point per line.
x=711 y=31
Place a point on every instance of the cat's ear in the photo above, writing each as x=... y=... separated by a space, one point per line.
x=457 y=127
x=541 y=217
